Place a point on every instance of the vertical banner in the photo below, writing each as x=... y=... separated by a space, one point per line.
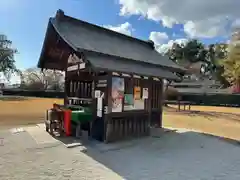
x=117 y=94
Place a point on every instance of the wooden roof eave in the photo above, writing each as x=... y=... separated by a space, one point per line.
x=131 y=74
x=42 y=61
x=41 y=58
x=52 y=24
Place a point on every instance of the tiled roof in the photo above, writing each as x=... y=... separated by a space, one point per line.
x=114 y=48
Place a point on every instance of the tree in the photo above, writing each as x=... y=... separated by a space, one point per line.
x=7 y=62
x=34 y=78
x=232 y=65
x=221 y=51
x=194 y=54
x=194 y=51
x=191 y=52
x=175 y=53
x=216 y=55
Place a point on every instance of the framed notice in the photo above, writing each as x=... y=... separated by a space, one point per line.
x=145 y=93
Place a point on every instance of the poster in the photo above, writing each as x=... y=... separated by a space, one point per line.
x=137 y=92
x=117 y=94
x=128 y=102
x=145 y=93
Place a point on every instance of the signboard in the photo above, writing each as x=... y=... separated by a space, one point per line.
x=82 y=65
x=76 y=67
x=72 y=68
x=102 y=83
x=73 y=58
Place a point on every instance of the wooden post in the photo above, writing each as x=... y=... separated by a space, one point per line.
x=161 y=98
x=66 y=86
x=107 y=117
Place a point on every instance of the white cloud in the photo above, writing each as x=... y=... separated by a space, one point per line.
x=158 y=37
x=125 y=28
x=200 y=18
x=163 y=48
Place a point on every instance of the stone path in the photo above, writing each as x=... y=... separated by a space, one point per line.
x=27 y=155
x=30 y=154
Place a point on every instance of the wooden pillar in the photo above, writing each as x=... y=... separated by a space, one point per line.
x=161 y=98
x=150 y=99
x=65 y=89
x=107 y=117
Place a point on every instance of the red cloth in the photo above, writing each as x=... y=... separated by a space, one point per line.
x=67 y=122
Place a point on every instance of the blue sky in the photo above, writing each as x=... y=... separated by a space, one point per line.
x=25 y=21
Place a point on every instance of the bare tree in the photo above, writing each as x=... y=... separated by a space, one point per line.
x=34 y=78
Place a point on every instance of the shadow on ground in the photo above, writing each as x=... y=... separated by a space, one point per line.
x=169 y=153
x=13 y=98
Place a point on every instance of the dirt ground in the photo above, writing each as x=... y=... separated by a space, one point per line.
x=24 y=111
x=220 y=121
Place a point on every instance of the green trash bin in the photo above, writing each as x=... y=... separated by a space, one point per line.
x=80 y=117
x=81 y=114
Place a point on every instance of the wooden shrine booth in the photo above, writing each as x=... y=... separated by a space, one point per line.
x=119 y=77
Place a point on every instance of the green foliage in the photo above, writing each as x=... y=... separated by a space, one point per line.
x=7 y=62
x=220 y=76
x=232 y=65
x=195 y=51
x=192 y=51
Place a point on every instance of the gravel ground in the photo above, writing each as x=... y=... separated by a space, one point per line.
x=182 y=155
